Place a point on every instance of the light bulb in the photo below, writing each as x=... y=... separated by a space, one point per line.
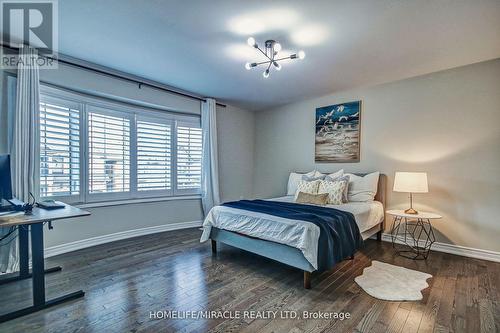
x=302 y=54
x=278 y=66
x=266 y=74
x=248 y=66
x=251 y=41
x=277 y=47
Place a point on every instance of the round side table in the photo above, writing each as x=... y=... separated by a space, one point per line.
x=412 y=234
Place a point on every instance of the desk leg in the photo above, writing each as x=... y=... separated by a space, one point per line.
x=38 y=264
x=24 y=271
x=39 y=302
x=24 y=255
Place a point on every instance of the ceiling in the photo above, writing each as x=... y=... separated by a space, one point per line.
x=200 y=46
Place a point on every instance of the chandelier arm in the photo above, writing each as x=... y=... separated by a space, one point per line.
x=262 y=63
x=264 y=53
x=284 y=58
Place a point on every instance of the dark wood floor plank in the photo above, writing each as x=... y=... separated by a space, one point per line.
x=125 y=280
x=494 y=291
x=414 y=318
x=486 y=301
x=385 y=317
x=398 y=320
x=430 y=312
x=368 y=320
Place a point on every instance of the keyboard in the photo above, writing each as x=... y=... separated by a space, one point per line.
x=50 y=204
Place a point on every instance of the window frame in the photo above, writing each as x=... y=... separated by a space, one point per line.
x=187 y=190
x=51 y=99
x=89 y=103
x=98 y=197
x=173 y=165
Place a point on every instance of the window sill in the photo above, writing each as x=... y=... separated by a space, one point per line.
x=135 y=201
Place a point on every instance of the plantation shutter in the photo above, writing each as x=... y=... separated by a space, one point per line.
x=59 y=148
x=108 y=153
x=154 y=155
x=189 y=147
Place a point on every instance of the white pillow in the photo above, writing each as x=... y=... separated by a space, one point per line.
x=335 y=190
x=294 y=179
x=362 y=188
x=318 y=174
x=336 y=174
x=307 y=187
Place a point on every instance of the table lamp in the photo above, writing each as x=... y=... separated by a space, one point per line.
x=411 y=182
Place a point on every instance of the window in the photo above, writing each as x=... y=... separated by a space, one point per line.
x=154 y=155
x=59 y=148
x=188 y=157
x=108 y=153
x=93 y=150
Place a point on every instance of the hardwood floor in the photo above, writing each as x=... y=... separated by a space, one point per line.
x=126 y=280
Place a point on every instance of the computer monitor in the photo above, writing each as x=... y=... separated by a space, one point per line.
x=5 y=180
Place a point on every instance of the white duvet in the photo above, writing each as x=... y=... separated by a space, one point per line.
x=302 y=235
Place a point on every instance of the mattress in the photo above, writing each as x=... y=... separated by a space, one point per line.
x=299 y=234
x=367 y=214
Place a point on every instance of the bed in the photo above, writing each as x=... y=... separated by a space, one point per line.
x=277 y=238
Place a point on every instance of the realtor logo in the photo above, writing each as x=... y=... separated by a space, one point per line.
x=33 y=23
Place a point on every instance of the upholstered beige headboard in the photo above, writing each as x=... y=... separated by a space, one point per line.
x=382 y=189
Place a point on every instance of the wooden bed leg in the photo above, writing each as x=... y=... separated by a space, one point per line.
x=214 y=247
x=379 y=236
x=307 y=280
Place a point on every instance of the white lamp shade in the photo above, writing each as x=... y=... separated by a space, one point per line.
x=413 y=182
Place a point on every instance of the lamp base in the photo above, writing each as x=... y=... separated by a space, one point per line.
x=411 y=211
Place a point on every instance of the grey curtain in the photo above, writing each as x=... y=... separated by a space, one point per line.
x=210 y=169
x=8 y=247
x=24 y=144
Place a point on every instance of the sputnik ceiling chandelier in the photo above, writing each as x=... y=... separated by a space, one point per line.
x=271 y=53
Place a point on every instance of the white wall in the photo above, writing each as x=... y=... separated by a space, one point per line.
x=446 y=123
x=236 y=130
x=236 y=144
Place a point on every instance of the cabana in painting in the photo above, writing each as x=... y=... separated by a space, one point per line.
x=338 y=133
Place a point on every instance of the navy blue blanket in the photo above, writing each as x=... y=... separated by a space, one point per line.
x=339 y=237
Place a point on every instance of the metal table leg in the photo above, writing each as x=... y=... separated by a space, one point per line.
x=417 y=241
x=24 y=271
x=38 y=277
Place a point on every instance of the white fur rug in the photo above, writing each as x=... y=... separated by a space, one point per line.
x=392 y=283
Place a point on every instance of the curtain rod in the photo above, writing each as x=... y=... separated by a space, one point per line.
x=138 y=81
x=112 y=100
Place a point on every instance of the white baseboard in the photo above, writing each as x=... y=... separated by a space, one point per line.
x=456 y=249
x=84 y=243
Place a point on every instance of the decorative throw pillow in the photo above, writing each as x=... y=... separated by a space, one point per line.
x=344 y=178
x=334 y=189
x=294 y=179
x=307 y=187
x=363 y=188
x=314 y=177
x=336 y=174
x=315 y=199
x=318 y=174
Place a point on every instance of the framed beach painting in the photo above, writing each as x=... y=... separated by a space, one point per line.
x=337 y=136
